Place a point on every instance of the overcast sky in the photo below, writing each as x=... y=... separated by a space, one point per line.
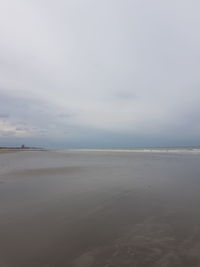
x=87 y=73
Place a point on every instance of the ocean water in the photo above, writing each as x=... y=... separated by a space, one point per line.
x=103 y=207
x=184 y=149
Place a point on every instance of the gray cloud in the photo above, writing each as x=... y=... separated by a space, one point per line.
x=4 y=115
x=85 y=71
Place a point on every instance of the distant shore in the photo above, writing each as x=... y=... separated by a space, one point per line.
x=14 y=149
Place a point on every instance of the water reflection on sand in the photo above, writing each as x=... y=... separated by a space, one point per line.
x=100 y=208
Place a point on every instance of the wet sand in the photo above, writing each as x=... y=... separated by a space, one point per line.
x=99 y=208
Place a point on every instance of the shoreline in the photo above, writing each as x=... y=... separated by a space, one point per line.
x=6 y=150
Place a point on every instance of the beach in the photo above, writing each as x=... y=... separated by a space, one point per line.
x=100 y=208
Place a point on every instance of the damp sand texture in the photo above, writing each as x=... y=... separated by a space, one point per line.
x=99 y=209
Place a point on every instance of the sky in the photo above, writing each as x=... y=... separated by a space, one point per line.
x=106 y=73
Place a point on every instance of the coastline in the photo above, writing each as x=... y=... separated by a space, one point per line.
x=13 y=149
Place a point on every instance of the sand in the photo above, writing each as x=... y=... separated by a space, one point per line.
x=100 y=208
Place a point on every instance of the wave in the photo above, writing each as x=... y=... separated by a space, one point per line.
x=193 y=150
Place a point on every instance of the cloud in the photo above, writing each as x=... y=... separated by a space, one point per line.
x=4 y=115
x=100 y=68
x=30 y=117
